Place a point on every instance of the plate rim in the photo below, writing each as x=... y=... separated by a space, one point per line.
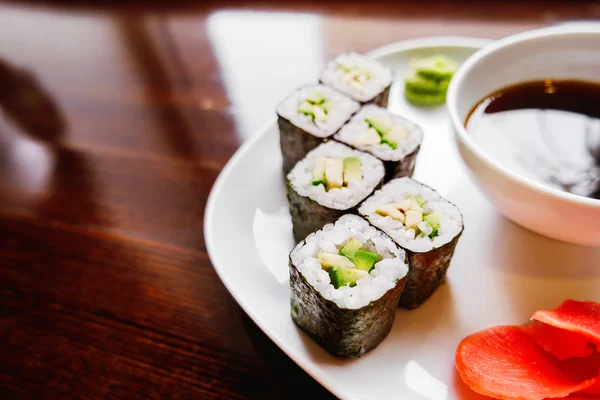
x=215 y=192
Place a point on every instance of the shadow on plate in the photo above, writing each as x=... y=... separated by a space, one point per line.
x=505 y=246
x=410 y=326
x=523 y=252
x=433 y=317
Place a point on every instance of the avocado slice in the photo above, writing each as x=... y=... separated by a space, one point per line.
x=306 y=108
x=350 y=248
x=354 y=83
x=316 y=98
x=334 y=173
x=352 y=170
x=391 y=211
x=364 y=74
x=318 y=173
x=358 y=77
x=364 y=260
x=368 y=137
x=319 y=114
x=341 y=276
x=381 y=123
x=404 y=205
x=412 y=218
x=334 y=260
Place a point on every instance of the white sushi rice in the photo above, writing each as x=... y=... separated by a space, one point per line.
x=451 y=222
x=342 y=108
x=336 y=77
x=357 y=126
x=300 y=177
x=389 y=268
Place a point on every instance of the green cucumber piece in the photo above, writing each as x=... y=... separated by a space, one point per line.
x=316 y=98
x=393 y=145
x=420 y=201
x=306 y=108
x=433 y=219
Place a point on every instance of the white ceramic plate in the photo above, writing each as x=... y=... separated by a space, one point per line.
x=500 y=273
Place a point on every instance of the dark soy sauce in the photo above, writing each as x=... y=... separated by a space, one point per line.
x=547 y=130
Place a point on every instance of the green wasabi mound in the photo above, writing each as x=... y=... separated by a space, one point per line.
x=438 y=67
x=417 y=84
x=423 y=99
x=427 y=84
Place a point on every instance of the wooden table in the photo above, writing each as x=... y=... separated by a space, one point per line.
x=116 y=121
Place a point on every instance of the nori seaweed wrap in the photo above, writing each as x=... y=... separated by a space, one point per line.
x=309 y=116
x=359 y=77
x=346 y=281
x=425 y=225
x=329 y=182
x=393 y=139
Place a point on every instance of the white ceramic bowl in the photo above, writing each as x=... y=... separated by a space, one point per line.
x=563 y=52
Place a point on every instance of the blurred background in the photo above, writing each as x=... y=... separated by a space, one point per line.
x=116 y=119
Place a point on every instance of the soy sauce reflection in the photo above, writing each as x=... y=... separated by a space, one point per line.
x=549 y=129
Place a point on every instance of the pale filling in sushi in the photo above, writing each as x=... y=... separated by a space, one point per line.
x=418 y=221
x=376 y=130
x=316 y=107
x=350 y=262
x=318 y=110
x=414 y=215
x=357 y=76
x=335 y=173
x=336 y=176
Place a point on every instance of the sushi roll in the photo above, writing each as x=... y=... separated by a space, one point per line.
x=346 y=280
x=393 y=139
x=360 y=78
x=309 y=116
x=422 y=223
x=329 y=182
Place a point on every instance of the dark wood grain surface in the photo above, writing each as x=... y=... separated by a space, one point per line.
x=116 y=120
